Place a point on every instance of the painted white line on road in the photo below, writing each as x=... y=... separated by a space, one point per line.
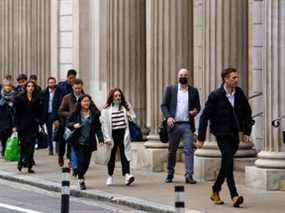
x=19 y=209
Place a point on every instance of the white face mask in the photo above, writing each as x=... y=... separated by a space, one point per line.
x=117 y=102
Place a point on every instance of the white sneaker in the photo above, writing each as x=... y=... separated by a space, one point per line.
x=109 y=181
x=129 y=179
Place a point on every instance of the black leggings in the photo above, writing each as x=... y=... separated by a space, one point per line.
x=27 y=150
x=118 y=137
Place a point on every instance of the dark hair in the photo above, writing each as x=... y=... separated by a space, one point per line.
x=110 y=99
x=51 y=78
x=30 y=82
x=8 y=77
x=34 y=77
x=71 y=72
x=78 y=81
x=226 y=72
x=92 y=107
x=22 y=77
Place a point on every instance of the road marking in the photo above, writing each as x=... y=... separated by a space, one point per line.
x=6 y=206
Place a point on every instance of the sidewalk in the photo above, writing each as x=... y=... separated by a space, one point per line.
x=149 y=193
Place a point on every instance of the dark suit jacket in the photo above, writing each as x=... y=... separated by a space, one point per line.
x=225 y=119
x=55 y=104
x=169 y=103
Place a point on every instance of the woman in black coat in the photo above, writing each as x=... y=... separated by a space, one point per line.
x=7 y=96
x=27 y=118
x=85 y=124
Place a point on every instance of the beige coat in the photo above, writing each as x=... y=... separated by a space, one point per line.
x=106 y=120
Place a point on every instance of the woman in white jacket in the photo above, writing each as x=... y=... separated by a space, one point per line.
x=115 y=124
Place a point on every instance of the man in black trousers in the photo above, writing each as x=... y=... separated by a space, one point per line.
x=229 y=113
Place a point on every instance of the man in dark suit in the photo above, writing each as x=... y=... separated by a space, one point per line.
x=229 y=113
x=180 y=105
x=50 y=102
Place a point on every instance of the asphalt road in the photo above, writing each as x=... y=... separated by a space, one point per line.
x=17 y=198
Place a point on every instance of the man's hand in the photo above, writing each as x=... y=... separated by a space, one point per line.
x=246 y=139
x=194 y=112
x=170 y=122
x=56 y=124
x=200 y=144
x=77 y=126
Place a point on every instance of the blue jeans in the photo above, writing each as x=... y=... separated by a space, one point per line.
x=184 y=133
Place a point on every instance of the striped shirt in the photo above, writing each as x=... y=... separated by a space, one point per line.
x=118 y=119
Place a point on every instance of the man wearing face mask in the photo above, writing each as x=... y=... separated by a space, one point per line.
x=51 y=101
x=180 y=105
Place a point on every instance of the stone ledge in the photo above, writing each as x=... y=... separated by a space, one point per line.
x=265 y=179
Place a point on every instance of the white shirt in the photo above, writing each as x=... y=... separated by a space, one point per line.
x=182 y=109
x=230 y=96
x=51 y=96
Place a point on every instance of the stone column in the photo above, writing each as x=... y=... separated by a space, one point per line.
x=269 y=170
x=118 y=43
x=169 y=47
x=220 y=41
x=256 y=46
x=25 y=38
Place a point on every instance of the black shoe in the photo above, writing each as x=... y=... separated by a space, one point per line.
x=30 y=171
x=74 y=172
x=50 y=153
x=82 y=185
x=189 y=179
x=20 y=166
x=168 y=179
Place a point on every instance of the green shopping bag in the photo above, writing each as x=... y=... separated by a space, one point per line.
x=12 y=151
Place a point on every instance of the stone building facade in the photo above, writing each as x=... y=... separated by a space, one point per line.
x=138 y=45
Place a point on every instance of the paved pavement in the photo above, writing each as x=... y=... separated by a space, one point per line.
x=149 y=189
x=15 y=197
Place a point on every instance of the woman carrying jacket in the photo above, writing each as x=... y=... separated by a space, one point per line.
x=85 y=125
x=7 y=113
x=27 y=119
x=115 y=116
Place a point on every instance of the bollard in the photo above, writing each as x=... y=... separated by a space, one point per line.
x=65 y=191
x=179 y=202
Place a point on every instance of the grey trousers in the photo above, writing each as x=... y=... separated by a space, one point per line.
x=180 y=132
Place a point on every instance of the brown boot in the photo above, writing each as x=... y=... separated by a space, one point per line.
x=237 y=200
x=215 y=197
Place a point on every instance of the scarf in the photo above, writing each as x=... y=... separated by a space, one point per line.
x=7 y=98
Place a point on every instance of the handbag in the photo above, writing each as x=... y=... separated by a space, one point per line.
x=162 y=131
x=135 y=131
x=68 y=134
x=42 y=139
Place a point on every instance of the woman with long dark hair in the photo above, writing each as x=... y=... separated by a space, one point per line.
x=85 y=126
x=27 y=119
x=115 y=116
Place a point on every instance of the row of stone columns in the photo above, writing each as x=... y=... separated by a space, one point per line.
x=122 y=56
x=25 y=38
